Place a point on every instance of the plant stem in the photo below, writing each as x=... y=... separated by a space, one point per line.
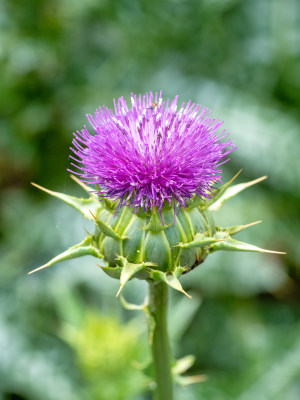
x=161 y=353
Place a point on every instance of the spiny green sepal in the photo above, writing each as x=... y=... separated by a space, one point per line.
x=129 y=270
x=106 y=229
x=113 y=272
x=235 y=245
x=155 y=245
x=84 y=206
x=195 y=202
x=155 y=223
x=219 y=193
x=233 y=230
x=230 y=192
x=85 y=248
x=170 y=278
x=200 y=240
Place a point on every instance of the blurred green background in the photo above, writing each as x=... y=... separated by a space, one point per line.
x=63 y=335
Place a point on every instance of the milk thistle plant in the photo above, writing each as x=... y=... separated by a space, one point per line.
x=151 y=172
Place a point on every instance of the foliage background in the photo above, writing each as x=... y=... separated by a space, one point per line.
x=63 y=335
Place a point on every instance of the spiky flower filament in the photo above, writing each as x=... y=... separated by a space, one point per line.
x=151 y=154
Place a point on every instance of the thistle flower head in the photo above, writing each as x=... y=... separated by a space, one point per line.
x=152 y=153
x=147 y=156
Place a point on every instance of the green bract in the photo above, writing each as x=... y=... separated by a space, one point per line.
x=141 y=245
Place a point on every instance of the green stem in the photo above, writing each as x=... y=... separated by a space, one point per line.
x=161 y=353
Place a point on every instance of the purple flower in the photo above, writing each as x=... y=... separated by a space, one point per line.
x=152 y=153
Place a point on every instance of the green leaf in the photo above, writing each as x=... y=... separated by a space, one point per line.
x=231 y=192
x=85 y=206
x=190 y=380
x=235 y=245
x=149 y=316
x=84 y=248
x=130 y=306
x=183 y=364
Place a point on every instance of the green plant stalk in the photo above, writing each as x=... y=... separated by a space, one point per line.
x=160 y=346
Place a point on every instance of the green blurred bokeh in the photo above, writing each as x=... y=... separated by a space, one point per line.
x=62 y=328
